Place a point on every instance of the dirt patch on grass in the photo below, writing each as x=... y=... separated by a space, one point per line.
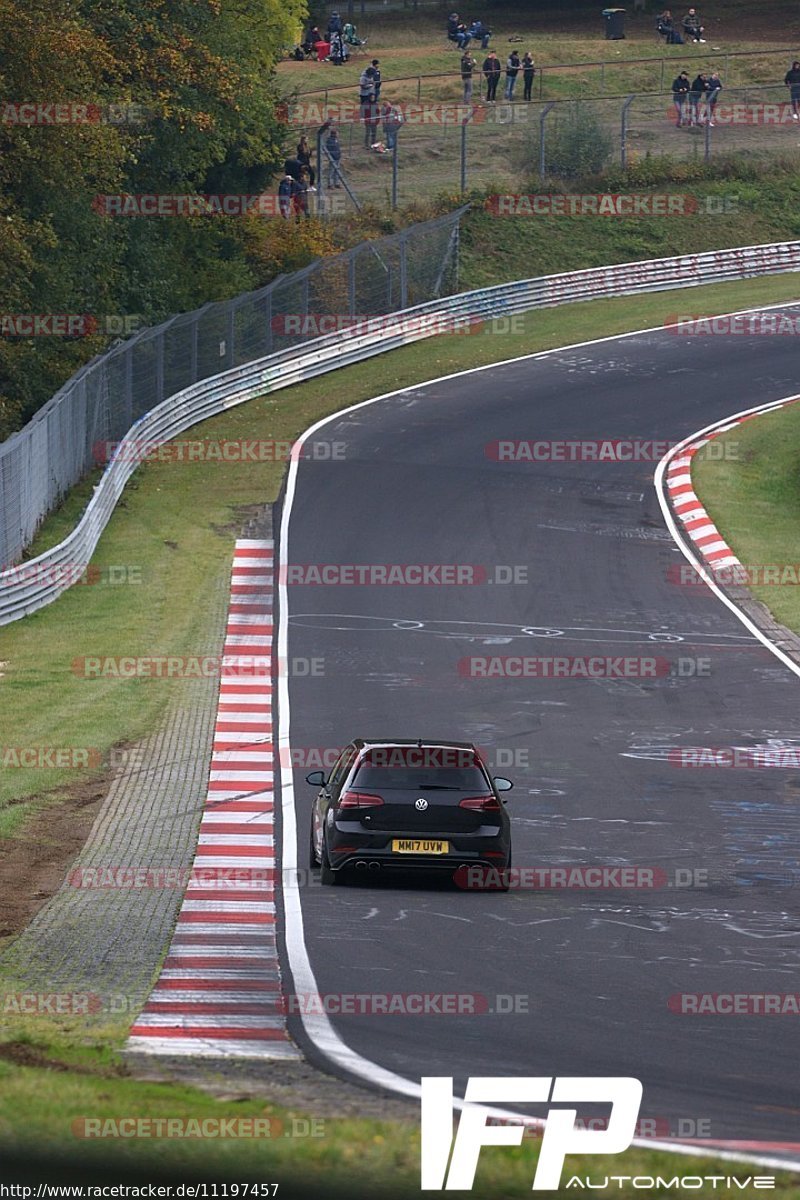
x=34 y=862
x=22 y=1054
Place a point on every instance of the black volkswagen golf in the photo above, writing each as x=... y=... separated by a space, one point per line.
x=401 y=804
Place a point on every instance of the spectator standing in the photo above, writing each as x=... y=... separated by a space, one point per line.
x=300 y=197
x=304 y=153
x=792 y=81
x=334 y=149
x=491 y=69
x=375 y=70
x=528 y=72
x=468 y=65
x=696 y=93
x=392 y=119
x=335 y=24
x=285 y=195
x=294 y=168
x=512 y=70
x=366 y=100
x=680 y=90
x=714 y=87
x=692 y=27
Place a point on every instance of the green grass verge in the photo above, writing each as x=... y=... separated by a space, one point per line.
x=365 y=1156
x=754 y=500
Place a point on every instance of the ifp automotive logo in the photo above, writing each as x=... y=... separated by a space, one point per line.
x=559 y=1137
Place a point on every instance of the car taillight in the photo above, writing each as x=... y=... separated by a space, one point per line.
x=481 y=803
x=359 y=800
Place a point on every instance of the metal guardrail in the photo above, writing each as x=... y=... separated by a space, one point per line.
x=30 y=586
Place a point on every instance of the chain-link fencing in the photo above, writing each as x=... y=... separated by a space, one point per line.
x=73 y=431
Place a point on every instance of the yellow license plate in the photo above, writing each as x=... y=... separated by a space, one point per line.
x=418 y=846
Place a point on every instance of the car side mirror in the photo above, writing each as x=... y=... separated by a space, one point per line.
x=502 y=784
x=316 y=779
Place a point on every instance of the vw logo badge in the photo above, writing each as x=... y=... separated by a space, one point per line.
x=421 y=804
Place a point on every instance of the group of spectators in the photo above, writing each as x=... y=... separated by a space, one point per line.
x=298 y=180
x=374 y=113
x=691 y=25
x=462 y=34
x=696 y=102
x=492 y=69
x=339 y=36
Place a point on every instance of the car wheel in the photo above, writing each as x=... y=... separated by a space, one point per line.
x=327 y=875
x=313 y=861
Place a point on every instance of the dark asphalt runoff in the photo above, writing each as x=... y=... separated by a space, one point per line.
x=577 y=982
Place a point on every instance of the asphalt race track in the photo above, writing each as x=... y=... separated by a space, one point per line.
x=588 y=974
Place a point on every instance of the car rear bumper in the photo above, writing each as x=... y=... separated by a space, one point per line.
x=375 y=851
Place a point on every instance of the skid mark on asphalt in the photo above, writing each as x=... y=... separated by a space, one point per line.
x=219 y=992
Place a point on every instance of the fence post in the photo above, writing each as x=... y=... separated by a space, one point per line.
x=419 y=86
x=542 y=158
x=623 y=150
x=602 y=77
x=160 y=367
x=231 y=333
x=464 y=124
x=320 y=173
x=195 y=349
x=351 y=283
x=268 y=319
x=394 y=168
x=707 y=154
x=403 y=271
x=661 y=86
x=129 y=382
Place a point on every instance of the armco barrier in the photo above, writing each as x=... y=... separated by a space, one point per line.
x=39 y=581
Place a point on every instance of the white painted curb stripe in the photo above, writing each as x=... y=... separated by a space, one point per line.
x=225 y=935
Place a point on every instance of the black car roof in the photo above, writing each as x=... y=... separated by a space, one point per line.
x=363 y=743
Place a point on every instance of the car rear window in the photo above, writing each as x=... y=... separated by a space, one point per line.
x=463 y=779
